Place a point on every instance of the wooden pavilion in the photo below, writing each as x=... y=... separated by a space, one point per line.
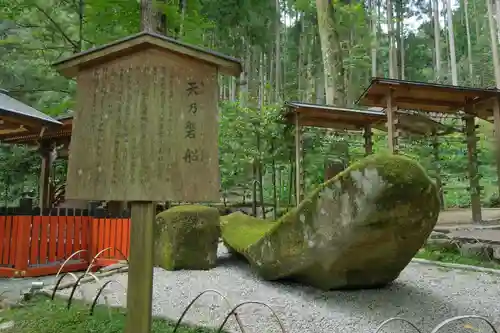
x=467 y=103
x=345 y=119
x=18 y=120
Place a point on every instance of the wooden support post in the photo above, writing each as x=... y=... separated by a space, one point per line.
x=367 y=134
x=474 y=189
x=392 y=120
x=437 y=167
x=496 y=126
x=44 y=183
x=302 y=166
x=298 y=149
x=140 y=274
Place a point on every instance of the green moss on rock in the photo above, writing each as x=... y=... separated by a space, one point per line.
x=357 y=230
x=242 y=230
x=186 y=237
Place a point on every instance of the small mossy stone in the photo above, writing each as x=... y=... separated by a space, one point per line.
x=357 y=230
x=187 y=237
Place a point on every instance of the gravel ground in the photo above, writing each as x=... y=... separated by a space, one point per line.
x=12 y=288
x=425 y=295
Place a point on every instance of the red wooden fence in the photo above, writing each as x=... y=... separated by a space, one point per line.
x=38 y=245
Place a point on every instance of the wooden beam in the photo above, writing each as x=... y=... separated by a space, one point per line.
x=437 y=167
x=44 y=183
x=367 y=134
x=417 y=101
x=298 y=149
x=140 y=274
x=474 y=189
x=496 y=126
x=392 y=123
x=302 y=165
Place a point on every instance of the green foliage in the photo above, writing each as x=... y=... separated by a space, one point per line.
x=453 y=256
x=36 y=33
x=42 y=315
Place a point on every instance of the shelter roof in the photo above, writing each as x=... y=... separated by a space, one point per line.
x=331 y=116
x=354 y=119
x=430 y=97
x=139 y=42
x=57 y=134
x=17 y=117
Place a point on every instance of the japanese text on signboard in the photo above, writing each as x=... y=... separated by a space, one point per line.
x=193 y=89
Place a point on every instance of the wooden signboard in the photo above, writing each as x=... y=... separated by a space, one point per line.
x=145 y=126
x=145 y=130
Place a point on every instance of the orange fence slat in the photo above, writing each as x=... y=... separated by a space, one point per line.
x=70 y=236
x=15 y=237
x=53 y=222
x=112 y=237
x=7 y=240
x=35 y=240
x=21 y=250
x=119 y=236
x=3 y=238
x=61 y=237
x=101 y=244
x=107 y=236
x=85 y=232
x=77 y=240
x=44 y=239
x=94 y=237
x=126 y=236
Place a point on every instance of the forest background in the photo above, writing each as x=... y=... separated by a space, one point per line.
x=322 y=51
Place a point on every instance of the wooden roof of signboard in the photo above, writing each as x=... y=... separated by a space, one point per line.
x=430 y=97
x=355 y=120
x=142 y=41
x=17 y=118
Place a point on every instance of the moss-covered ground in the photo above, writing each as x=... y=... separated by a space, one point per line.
x=41 y=315
x=453 y=256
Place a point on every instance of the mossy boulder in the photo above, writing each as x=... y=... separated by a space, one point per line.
x=358 y=230
x=186 y=237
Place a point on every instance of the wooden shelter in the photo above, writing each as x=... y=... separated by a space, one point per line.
x=18 y=120
x=345 y=119
x=468 y=103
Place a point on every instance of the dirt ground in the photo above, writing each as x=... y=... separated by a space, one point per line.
x=464 y=216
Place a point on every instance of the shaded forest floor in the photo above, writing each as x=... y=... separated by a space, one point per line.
x=461 y=216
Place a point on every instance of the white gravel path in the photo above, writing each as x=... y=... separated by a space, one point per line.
x=426 y=295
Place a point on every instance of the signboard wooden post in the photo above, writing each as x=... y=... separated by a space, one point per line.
x=145 y=129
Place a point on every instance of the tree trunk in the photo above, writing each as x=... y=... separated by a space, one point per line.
x=309 y=79
x=494 y=43
x=259 y=161
x=277 y=46
x=401 y=37
x=469 y=44
x=147 y=16
x=497 y=8
x=300 y=60
x=331 y=53
x=451 y=37
x=374 y=19
x=390 y=32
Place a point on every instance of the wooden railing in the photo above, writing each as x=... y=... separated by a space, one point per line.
x=38 y=243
